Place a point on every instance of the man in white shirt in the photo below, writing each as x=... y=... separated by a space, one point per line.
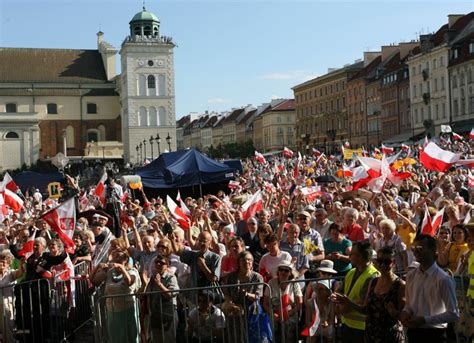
x=270 y=261
x=430 y=296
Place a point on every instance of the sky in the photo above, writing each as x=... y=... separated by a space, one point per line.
x=232 y=53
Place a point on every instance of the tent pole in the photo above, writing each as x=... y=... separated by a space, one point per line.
x=200 y=190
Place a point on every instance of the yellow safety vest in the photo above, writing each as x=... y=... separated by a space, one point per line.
x=470 y=271
x=355 y=319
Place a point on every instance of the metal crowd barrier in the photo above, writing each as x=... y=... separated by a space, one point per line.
x=192 y=315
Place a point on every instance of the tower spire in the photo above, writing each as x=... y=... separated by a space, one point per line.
x=144 y=5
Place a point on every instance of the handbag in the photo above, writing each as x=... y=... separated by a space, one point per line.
x=259 y=328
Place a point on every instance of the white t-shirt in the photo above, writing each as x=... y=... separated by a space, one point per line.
x=270 y=263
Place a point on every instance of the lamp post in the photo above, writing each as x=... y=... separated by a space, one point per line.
x=141 y=152
x=151 y=147
x=144 y=149
x=136 y=148
x=168 y=140
x=158 y=142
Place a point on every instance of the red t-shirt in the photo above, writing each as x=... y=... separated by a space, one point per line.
x=354 y=233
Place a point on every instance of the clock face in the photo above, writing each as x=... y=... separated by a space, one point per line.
x=150 y=63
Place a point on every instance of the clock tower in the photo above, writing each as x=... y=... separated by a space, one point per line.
x=147 y=90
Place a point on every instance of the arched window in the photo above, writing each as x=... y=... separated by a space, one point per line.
x=10 y=108
x=151 y=82
x=153 y=119
x=102 y=136
x=143 y=116
x=12 y=135
x=161 y=85
x=92 y=135
x=147 y=31
x=155 y=31
x=70 y=136
x=162 y=116
x=137 y=30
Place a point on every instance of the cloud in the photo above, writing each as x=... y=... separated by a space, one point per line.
x=276 y=97
x=219 y=101
x=302 y=75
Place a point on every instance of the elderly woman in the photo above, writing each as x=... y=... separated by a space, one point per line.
x=450 y=256
x=392 y=240
x=238 y=299
x=7 y=279
x=120 y=279
x=286 y=301
x=161 y=300
x=350 y=228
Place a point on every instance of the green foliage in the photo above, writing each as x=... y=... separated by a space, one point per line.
x=232 y=150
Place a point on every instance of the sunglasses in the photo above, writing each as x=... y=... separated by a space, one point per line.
x=285 y=270
x=386 y=261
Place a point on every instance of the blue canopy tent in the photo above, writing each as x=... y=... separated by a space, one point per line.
x=184 y=169
x=28 y=179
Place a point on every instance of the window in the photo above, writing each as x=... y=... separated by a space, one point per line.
x=52 y=108
x=442 y=83
x=441 y=61
x=70 y=137
x=471 y=48
x=471 y=104
x=12 y=135
x=455 y=108
x=435 y=85
x=10 y=108
x=455 y=53
x=91 y=108
x=143 y=116
x=413 y=71
x=455 y=82
x=151 y=81
x=92 y=135
x=443 y=110
x=435 y=63
x=147 y=31
x=414 y=91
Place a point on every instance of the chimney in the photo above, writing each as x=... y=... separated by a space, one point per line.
x=453 y=18
x=369 y=56
x=388 y=50
x=405 y=48
x=100 y=38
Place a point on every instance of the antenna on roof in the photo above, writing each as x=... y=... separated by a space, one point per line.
x=144 y=5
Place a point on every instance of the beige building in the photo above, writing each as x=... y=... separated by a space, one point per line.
x=429 y=77
x=217 y=131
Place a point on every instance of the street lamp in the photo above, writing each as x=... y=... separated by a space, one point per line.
x=144 y=149
x=136 y=148
x=158 y=142
x=151 y=146
x=168 y=140
x=141 y=152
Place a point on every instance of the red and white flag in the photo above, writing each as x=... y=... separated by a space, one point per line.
x=430 y=225
x=470 y=180
x=27 y=249
x=297 y=166
x=287 y=152
x=437 y=159
x=457 y=137
x=178 y=214
x=471 y=134
x=260 y=158
x=311 y=193
x=346 y=171
x=426 y=142
x=469 y=163
x=182 y=204
x=316 y=152
x=100 y=188
x=11 y=200
x=315 y=321
x=252 y=205
x=65 y=272
x=387 y=150
x=405 y=147
x=62 y=220
x=8 y=183
x=377 y=150
x=233 y=184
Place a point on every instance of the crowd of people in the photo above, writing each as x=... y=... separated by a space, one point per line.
x=345 y=261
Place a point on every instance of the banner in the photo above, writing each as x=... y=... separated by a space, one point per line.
x=349 y=153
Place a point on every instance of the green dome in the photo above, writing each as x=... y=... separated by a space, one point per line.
x=145 y=16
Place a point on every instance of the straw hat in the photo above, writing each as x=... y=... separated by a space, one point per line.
x=288 y=265
x=327 y=266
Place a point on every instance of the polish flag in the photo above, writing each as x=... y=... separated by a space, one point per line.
x=471 y=135
x=233 y=184
x=437 y=159
x=8 y=183
x=377 y=150
x=467 y=218
x=315 y=321
x=12 y=200
x=470 y=180
x=62 y=220
x=426 y=142
x=316 y=152
x=405 y=147
x=430 y=225
x=260 y=158
x=100 y=188
x=27 y=249
x=177 y=213
x=457 y=137
x=311 y=193
x=252 y=205
x=287 y=152
x=65 y=272
x=469 y=163
x=182 y=204
x=387 y=150
x=297 y=166
x=347 y=172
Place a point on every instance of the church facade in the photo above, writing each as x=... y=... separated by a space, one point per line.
x=67 y=100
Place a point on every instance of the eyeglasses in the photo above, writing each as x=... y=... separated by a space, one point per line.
x=284 y=270
x=162 y=246
x=387 y=261
x=161 y=263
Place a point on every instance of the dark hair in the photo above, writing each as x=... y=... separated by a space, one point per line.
x=266 y=228
x=428 y=240
x=386 y=250
x=364 y=249
x=335 y=226
x=271 y=238
x=461 y=227
x=161 y=257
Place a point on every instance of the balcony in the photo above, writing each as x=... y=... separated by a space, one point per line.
x=425 y=73
x=426 y=98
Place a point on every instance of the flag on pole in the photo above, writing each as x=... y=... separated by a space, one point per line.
x=469 y=163
x=100 y=188
x=178 y=214
x=316 y=152
x=260 y=158
x=297 y=166
x=12 y=200
x=62 y=220
x=457 y=137
x=8 y=183
x=471 y=134
x=315 y=321
x=27 y=248
x=470 y=180
x=437 y=159
x=287 y=152
x=405 y=147
x=430 y=225
x=387 y=150
x=252 y=205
